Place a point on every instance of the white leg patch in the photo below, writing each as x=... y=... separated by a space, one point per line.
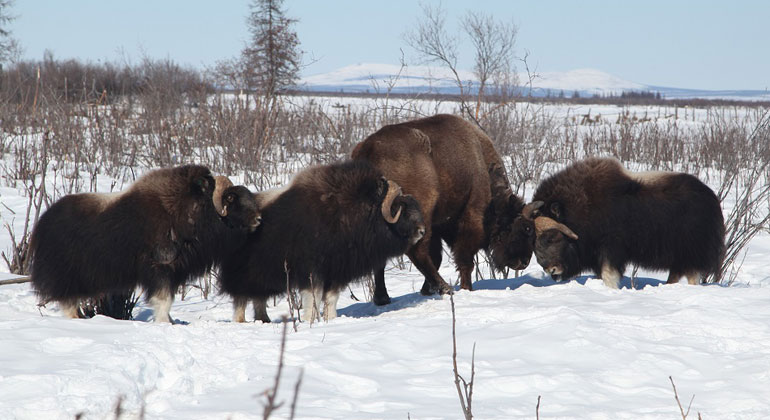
x=311 y=302
x=161 y=305
x=330 y=304
x=693 y=278
x=69 y=308
x=610 y=276
x=239 y=309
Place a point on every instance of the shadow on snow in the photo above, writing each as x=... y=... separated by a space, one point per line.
x=368 y=309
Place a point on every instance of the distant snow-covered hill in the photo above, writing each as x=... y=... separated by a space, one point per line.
x=381 y=78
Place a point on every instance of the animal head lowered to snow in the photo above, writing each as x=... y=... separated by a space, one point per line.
x=511 y=231
x=556 y=249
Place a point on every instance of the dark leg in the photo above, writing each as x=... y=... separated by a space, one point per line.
x=436 y=251
x=470 y=234
x=380 y=291
x=673 y=277
x=260 y=310
x=421 y=257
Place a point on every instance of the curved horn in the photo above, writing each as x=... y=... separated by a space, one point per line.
x=394 y=190
x=222 y=183
x=543 y=223
x=531 y=208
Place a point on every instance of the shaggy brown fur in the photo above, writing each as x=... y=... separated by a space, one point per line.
x=660 y=220
x=320 y=233
x=451 y=168
x=158 y=234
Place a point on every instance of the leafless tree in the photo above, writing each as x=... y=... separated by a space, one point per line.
x=272 y=57
x=8 y=45
x=435 y=45
x=493 y=42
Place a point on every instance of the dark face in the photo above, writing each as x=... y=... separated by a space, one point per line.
x=557 y=254
x=241 y=207
x=411 y=224
x=511 y=245
x=511 y=235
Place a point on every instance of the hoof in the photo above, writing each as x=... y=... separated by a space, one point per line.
x=381 y=300
x=431 y=289
x=446 y=289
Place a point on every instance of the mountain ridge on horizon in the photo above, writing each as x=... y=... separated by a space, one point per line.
x=379 y=77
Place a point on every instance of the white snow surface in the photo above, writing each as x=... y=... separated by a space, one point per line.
x=589 y=351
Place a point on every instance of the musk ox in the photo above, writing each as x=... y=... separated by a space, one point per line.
x=331 y=225
x=597 y=215
x=160 y=232
x=451 y=168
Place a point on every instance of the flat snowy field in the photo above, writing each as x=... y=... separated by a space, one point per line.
x=590 y=352
x=586 y=350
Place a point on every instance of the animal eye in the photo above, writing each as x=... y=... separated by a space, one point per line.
x=528 y=229
x=230 y=198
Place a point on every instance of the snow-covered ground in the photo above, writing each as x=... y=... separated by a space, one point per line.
x=590 y=352
x=587 y=351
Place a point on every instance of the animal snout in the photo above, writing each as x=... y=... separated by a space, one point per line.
x=418 y=234
x=553 y=270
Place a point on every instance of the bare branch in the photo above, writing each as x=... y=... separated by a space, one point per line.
x=465 y=394
x=676 y=395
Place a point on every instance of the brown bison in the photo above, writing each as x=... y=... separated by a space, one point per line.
x=451 y=168
x=332 y=225
x=596 y=215
x=159 y=233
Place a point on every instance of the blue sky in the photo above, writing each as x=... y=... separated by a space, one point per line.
x=688 y=44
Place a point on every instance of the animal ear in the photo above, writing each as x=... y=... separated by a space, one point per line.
x=556 y=210
x=202 y=182
x=382 y=186
x=532 y=210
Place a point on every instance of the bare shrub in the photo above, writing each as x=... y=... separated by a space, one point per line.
x=114 y=305
x=679 y=403
x=271 y=403
x=30 y=168
x=464 y=392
